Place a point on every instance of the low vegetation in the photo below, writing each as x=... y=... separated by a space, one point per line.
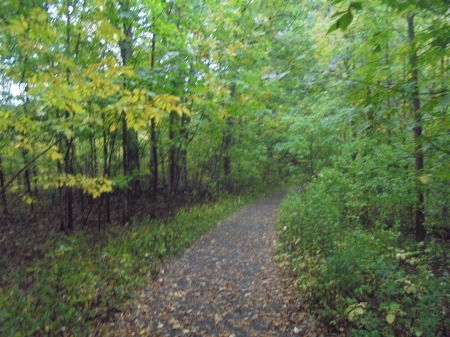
x=362 y=279
x=77 y=283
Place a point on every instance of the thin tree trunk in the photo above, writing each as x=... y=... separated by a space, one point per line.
x=126 y=171
x=68 y=169
x=61 y=212
x=172 y=156
x=419 y=214
x=227 y=145
x=130 y=137
x=106 y=173
x=184 y=135
x=27 y=178
x=93 y=155
x=68 y=158
x=226 y=155
x=154 y=160
x=153 y=139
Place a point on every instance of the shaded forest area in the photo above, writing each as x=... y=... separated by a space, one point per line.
x=114 y=114
x=121 y=110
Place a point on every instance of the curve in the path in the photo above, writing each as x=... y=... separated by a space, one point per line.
x=226 y=285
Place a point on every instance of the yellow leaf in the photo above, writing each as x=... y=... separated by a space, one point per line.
x=186 y=111
x=390 y=318
x=425 y=179
x=56 y=156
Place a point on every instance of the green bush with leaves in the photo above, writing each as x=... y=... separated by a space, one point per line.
x=364 y=282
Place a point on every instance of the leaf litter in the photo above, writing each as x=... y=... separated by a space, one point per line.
x=226 y=285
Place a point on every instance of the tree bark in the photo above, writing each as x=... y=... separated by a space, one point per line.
x=227 y=145
x=153 y=139
x=131 y=163
x=184 y=142
x=69 y=141
x=419 y=212
x=226 y=156
x=106 y=173
x=153 y=160
x=173 y=157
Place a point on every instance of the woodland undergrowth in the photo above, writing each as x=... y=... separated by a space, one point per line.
x=79 y=284
x=363 y=280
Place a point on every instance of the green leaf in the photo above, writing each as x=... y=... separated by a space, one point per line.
x=445 y=101
x=335 y=15
x=390 y=318
x=394 y=306
x=334 y=27
x=356 y=5
x=345 y=20
x=342 y=23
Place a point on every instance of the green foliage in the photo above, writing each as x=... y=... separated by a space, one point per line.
x=65 y=81
x=363 y=282
x=77 y=283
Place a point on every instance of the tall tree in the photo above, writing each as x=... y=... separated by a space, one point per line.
x=419 y=215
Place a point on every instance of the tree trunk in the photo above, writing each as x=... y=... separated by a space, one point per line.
x=93 y=155
x=419 y=214
x=153 y=140
x=173 y=157
x=154 y=160
x=226 y=155
x=27 y=179
x=126 y=171
x=68 y=191
x=68 y=158
x=106 y=173
x=184 y=142
x=227 y=145
x=130 y=137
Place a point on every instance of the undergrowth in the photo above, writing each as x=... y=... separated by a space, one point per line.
x=76 y=283
x=362 y=280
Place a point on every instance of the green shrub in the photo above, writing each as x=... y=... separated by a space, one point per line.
x=362 y=281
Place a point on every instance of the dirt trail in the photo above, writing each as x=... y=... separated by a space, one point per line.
x=226 y=284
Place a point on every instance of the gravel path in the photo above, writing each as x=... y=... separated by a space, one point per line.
x=226 y=284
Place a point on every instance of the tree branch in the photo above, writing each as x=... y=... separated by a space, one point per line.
x=27 y=165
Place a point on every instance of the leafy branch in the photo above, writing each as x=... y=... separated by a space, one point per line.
x=14 y=177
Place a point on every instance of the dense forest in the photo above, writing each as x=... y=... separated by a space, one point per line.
x=115 y=114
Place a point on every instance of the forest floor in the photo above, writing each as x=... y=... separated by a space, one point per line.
x=226 y=284
x=27 y=236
